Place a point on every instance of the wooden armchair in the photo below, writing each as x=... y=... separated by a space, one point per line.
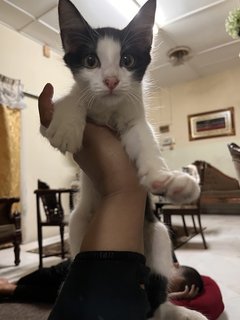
x=192 y=209
x=53 y=214
x=220 y=192
x=10 y=226
x=235 y=154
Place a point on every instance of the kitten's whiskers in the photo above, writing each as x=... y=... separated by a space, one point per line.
x=134 y=98
x=84 y=94
x=90 y=102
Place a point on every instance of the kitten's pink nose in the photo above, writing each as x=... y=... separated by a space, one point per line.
x=111 y=82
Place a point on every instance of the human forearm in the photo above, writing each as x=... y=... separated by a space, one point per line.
x=118 y=223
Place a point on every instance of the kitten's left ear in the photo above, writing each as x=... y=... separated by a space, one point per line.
x=142 y=23
x=71 y=24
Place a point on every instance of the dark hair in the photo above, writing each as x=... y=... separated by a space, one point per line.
x=191 y=277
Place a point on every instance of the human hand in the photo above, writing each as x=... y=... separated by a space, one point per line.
x=6 y=288
x=188 y=293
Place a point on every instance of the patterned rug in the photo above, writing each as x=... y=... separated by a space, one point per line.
x=53 y=249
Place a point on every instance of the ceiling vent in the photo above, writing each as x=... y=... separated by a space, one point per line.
x=178 y=55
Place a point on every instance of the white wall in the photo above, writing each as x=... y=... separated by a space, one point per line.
x=214 y=92
x=21 y=58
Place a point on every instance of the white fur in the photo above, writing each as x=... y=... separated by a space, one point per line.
x=169 y=311
x=123 y=110
x=158 y=253
x=158 y=248
x=193 y=171
x=82 y=214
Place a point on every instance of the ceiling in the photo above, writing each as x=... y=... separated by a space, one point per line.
x=199 y=25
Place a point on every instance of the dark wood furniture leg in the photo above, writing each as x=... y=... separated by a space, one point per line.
x=18 y=238
x=167 y=220
x=62 y=241
x=185 y=226
x=201 y=231
x=17 y=252
x=194 y=224
x=39 y=232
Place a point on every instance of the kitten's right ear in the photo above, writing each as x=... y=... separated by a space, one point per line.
x=71 y=24
x=142 y=24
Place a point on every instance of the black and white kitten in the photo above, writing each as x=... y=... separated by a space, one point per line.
x=108 y=66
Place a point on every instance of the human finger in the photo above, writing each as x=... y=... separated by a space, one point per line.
x=180 y=294
x=193 y=291
x=45 y=105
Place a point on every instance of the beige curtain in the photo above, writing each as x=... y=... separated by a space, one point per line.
x=10 y=105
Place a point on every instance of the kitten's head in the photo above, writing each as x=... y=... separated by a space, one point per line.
x=109 y=61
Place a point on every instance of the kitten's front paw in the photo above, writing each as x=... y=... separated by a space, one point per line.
x=154 y=180
x=182 y=188
x=65 y=137
x=178 y=187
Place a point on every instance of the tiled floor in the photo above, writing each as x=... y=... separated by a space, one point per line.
x=221 y=260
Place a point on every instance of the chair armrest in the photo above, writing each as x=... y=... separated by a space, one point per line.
x=16 y=218
x=6 y=209
x=49 y=191
x=9 y=200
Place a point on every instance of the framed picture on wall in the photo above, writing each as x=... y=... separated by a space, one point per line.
x=217 y=123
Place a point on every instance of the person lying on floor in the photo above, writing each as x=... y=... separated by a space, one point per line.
x=189 y=289
x=41 y=285
x=186 y=288
x=186 y=283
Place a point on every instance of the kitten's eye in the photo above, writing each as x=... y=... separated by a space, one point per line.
x=91 y=61
x=127 y=61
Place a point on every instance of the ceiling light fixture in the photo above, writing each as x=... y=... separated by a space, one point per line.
x=179 y=55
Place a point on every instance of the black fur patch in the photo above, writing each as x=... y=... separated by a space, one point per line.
x=86 y=43
x=156 y=289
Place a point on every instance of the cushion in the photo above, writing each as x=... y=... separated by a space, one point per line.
x=7 y=231
x=209 y=302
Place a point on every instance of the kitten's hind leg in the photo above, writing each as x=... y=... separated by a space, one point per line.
x=158 y=248
x=142 y=147
x=82 y=214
